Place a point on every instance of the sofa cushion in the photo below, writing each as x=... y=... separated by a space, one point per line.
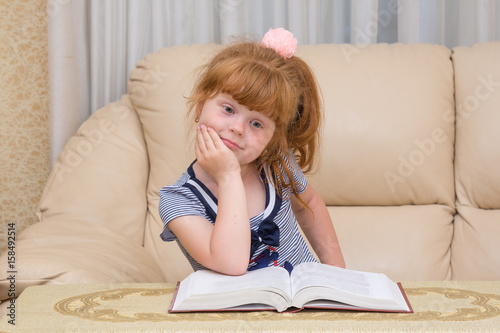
x=386 y=140
x=475 y=246
x=405 y=242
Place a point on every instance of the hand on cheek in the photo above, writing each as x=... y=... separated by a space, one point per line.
x=213 y=155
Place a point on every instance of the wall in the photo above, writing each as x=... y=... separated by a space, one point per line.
x=24 y=112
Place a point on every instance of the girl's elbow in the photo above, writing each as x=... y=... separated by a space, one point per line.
x=236 y=269
x=229 y=267
x=237 y=272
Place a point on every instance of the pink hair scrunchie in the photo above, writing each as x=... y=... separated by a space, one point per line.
x=281 y=41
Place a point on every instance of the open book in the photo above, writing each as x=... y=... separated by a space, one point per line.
x=310 y=285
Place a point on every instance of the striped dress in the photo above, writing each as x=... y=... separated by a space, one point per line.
x=276 y=240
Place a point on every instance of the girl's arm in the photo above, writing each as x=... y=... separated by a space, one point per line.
x=224 y=246
x=318 y=227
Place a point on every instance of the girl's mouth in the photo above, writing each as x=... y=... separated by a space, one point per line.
x=230 y=144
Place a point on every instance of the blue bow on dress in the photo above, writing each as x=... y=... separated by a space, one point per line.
x=268 y=233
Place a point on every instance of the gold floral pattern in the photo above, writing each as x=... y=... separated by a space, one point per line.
x=87 y=306
x=460 y=304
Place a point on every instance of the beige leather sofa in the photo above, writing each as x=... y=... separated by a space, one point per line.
x=409 y=169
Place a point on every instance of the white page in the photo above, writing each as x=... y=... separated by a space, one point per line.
x=361 y=283
x=363 y=286
x=207 y=282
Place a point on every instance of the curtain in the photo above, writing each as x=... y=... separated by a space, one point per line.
x=94 y=44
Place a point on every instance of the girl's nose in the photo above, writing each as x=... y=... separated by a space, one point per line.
x=237 y=126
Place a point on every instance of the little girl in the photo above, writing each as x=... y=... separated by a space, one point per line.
x=236 y=207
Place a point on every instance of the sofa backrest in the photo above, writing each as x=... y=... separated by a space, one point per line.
x=386 y=168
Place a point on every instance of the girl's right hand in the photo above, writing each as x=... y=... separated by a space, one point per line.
x=214 y=156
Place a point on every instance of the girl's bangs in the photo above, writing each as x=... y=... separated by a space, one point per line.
x=258 y=89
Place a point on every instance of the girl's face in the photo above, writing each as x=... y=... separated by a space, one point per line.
x=245 y=132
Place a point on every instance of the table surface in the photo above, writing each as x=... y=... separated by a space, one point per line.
x=442 y=306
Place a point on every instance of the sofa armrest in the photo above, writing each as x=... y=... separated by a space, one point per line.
x=67 y=252
x=101 y=174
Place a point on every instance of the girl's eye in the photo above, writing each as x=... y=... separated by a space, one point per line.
x=256 y=124
x=228 y=109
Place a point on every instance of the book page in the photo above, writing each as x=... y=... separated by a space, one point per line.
x=312 y=274
x=208 y=282
x=364 y=289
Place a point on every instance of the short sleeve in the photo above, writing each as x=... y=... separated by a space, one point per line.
x=177 y=201
x=298 y=175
